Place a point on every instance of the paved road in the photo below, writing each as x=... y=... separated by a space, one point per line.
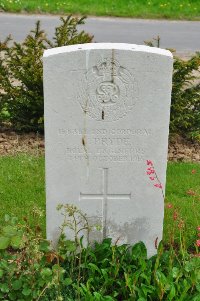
x=184 y=36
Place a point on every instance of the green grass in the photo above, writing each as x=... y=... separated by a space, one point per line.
x=22 y=187
x=170 y=9
x=183 y=192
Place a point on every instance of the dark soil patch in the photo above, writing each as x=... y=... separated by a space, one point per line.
x=12 y=143
x=181 y=149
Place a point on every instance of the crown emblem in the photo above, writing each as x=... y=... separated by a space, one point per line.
x=107 y=67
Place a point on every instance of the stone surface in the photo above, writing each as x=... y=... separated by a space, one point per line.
x=106 y=113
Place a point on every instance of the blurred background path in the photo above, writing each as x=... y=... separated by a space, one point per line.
x=184 y=36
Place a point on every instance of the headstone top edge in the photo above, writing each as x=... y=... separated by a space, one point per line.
x=105 y=46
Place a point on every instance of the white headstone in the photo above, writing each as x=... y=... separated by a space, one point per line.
x=107 y=110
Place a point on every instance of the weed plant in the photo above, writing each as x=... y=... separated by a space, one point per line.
x=30 y=269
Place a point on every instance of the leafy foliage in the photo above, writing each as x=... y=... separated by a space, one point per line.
x=32 y=270
x=185 y=108
x=21 y=73
x=25 y=273
x=185 y=99
x=125 y=273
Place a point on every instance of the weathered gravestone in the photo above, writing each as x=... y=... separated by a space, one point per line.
x=107 y=112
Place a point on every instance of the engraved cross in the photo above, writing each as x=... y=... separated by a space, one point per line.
x=104 y=197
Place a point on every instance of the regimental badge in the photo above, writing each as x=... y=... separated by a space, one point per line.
x=108 y=92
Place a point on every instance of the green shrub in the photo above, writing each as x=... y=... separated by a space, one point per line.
x=185 y=99
x=31 y=270
x=21 y=73
x=185 y=107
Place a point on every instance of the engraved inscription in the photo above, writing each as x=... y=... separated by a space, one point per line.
x=101 y=156
x=104 y=196
x=104 y=131
x=108 y=91
x=103 y=144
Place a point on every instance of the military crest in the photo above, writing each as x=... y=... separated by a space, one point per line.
x=108 y=91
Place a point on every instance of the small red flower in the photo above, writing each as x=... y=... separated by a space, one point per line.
x=198 y=242
x=150 y=172
x=158 y=185
x=150 y=168
x=169 y=206
x=149 y=162
x=152 y=178
x=198 y=228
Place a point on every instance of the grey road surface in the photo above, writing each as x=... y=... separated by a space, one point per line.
x=184 y=36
